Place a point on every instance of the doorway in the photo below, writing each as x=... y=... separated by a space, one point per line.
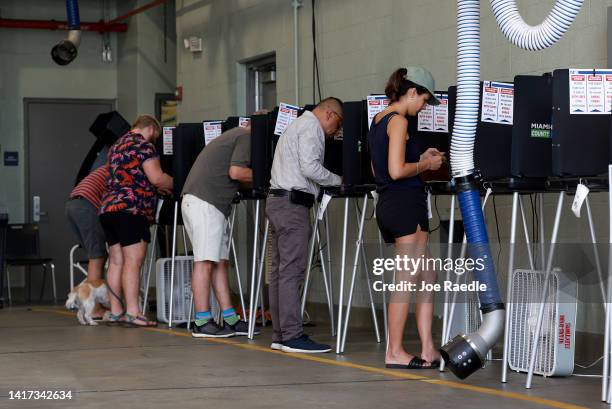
x=261 y=83
x=57 y=139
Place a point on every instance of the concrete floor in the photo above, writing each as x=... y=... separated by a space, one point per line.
x=44 y=348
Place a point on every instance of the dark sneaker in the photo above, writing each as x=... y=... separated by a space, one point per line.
x=242 y=328
x=277 y=346
x=304 y=345
x=211 y=330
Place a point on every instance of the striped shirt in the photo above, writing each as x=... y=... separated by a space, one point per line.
x=92 y=187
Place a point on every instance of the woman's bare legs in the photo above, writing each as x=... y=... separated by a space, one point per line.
x=399 y=304
x=113 y=278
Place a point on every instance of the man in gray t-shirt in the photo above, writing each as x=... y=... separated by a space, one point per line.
x=209 y=190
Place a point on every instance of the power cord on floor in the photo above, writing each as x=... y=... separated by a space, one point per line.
x=592 y=364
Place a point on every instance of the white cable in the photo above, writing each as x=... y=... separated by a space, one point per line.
x=538 y=37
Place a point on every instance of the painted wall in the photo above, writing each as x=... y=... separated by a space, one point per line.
x=137 y=72
x=360 y=42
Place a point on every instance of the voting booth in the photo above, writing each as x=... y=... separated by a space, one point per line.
x=430 y=129
x=107 y=128
x=493 y=146
x=582 y=102
x=532 y=129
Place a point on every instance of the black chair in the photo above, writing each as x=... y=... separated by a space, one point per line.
x=23 y=249
x=3 y=228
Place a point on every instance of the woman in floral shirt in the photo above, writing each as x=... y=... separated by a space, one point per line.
x=128 y=207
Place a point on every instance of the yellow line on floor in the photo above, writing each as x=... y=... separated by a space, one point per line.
x=366 y=368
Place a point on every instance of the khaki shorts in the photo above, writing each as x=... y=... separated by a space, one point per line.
x=208 y=229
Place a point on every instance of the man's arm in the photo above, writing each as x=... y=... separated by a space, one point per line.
x=311 y=150
x=241 y=174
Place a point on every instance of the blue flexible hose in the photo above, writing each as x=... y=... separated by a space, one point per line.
x=72 y=11
x=478 y=246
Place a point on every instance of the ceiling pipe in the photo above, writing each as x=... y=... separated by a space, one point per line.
x=137 y=10
x=100 y=27
x=115 y=25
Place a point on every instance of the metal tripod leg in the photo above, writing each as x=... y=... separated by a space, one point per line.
x=252 y=305
x=328 y=293
x=342 y=271
x=515 y=200
x=384 y=293
x=251 y=334
x=371 y=296
x=605 y=387
x=449 y=256
x=149 y=268
x=549 y=262
x=235 y=256
x=174 y=225
x=354 y=273
x=311 y=251
x=451 y=314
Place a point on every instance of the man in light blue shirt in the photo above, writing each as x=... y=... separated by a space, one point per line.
x=297 y=173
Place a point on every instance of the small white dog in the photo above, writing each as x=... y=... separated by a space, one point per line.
x=84 y=297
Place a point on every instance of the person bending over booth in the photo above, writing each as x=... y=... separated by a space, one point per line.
x=401 y=211
x=82 y=213
x=127 y=210
x=212 y=183
x=297 y=172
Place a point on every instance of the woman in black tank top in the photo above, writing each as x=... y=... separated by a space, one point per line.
x=401 y=211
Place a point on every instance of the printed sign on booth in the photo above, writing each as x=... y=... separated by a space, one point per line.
x=212 y=130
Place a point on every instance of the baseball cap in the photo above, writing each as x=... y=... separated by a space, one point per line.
x=420 y=76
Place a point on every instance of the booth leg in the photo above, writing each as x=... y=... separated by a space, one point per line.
x=252 y=305
x=342 y=271
x=172 y=268
x=311 y=251
x=549 y=262
x=449 y=255
x=515 y=200
x=354 y=273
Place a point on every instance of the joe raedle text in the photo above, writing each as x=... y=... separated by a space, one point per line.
x=423 y=286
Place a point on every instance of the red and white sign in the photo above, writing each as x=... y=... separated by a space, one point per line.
x=590 y=91
x=376 y=104
x=167 y=140
x=497 y=102
x=286 y=115
x=212 y=130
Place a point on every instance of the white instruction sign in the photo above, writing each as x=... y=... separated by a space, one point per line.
x=167 y=140
x=434 y=118
x=376 y=104
x=497 y=102
x=212 y=130
x=590 y=92
x=286 y=114
x=243 y=121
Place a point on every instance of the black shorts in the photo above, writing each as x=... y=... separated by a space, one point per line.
x=399 y=212
x=125 y=228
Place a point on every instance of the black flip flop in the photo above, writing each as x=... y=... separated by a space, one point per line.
x=415 y=363
x=434 y=365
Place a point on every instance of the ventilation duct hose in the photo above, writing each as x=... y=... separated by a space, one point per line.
x=72 y=11
x=66 y=51
x=465 y=354
x=535 y=38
